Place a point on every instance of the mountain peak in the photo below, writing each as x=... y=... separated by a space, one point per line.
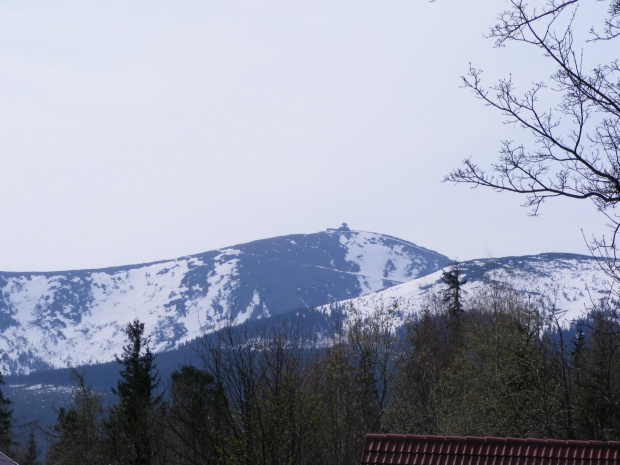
x=54 y=319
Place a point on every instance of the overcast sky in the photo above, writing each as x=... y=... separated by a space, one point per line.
x=138 y=131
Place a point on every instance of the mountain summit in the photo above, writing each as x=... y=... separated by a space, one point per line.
x=55 y=319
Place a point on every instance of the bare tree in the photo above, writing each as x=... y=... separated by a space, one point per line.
x=574 y=150
x=268 y=412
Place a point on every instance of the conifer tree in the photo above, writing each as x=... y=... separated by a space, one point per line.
x=77 y=435
x=6 y=418
x=31 y=450
x=131 y=427
x=452 y=294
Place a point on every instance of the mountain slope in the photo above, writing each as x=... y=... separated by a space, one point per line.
x=573 y=282
x=570 y=283
x=54 y=319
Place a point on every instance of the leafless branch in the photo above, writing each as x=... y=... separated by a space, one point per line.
x=573 y=149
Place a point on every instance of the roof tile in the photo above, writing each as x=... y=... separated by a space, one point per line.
x=472 y=450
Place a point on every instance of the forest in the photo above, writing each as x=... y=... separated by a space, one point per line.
x=489 y=364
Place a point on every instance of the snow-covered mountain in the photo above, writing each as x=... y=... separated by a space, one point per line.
x=572 y=284
x=55 y=319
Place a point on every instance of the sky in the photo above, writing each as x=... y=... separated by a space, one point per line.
x=139 y=131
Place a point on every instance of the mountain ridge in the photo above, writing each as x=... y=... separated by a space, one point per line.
x=78 y=316
x=188 y=256
x=570 y=284
x=56 y=319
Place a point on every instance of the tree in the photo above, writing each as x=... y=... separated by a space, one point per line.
x=6 y=418
x=571 y=150
x=453 y=291
x=377 y=352
x=420 y=383
x=596 y=360
x=504 y=376
x=195 y=417
x=574 y=149
x=269 y=413
x=78 y=433
x=30 y=456
x=339 y=406
x=131 y=426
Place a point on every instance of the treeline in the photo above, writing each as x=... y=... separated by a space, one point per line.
x=490 y=364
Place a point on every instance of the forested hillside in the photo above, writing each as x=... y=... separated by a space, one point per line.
x=486 y=364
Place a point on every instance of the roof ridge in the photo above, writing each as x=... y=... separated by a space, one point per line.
x=492 y=439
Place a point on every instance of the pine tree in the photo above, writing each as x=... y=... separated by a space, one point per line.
x=131 y=427
x=452 y=294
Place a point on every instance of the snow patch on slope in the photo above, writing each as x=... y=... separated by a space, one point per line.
x=213 y=310
x=570 y=285
x=116 y=299
x=380 y=263
x=79 y=317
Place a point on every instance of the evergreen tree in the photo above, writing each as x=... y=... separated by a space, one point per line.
x=30 y=455
x=6 y=418
x=78 y=435
x=452 y=294
x=131 y=426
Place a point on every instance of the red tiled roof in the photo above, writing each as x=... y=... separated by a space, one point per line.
x=454 y=450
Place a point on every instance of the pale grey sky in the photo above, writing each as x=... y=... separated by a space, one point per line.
x=145 y=130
